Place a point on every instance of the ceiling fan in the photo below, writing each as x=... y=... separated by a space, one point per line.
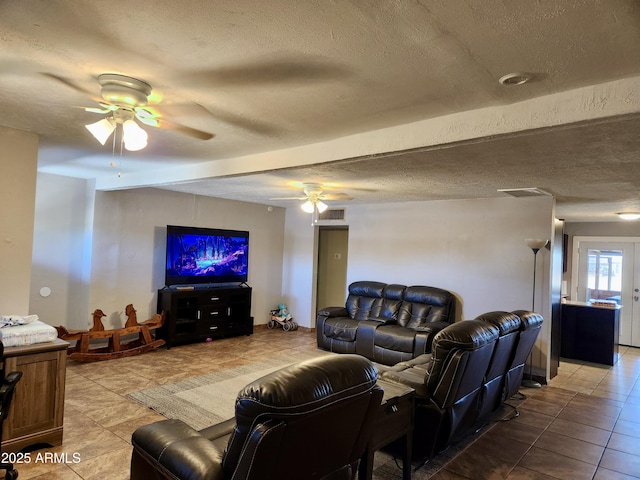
x=313 y=196
x=124 y=100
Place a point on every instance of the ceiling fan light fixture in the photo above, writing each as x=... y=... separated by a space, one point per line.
x=102 y=129
x=321 y=206
x=629 y=215
x=134 y=137
x=307 y=206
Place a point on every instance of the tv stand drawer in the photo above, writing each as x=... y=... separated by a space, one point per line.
x=212 y=298
x=210 y=328
x=213 y=313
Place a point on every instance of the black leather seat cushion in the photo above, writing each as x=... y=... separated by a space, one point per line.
x=395 y=337
x=341 y=328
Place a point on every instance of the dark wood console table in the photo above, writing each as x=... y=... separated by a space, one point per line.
x=394 y=420
x=590 y=332
x=37 y=410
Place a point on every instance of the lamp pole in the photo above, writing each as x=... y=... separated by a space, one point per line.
x=535 y=244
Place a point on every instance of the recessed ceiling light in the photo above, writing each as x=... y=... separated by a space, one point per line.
x=517 y=78
x=629 y=215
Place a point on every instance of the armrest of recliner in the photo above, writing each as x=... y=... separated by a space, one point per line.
x=176 y=450
x=330 y=312
x=424 y=336
x=365 y=337
x=219 y=429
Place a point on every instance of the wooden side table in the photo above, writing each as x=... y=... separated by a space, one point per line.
x=37 y=409
x=394 y=420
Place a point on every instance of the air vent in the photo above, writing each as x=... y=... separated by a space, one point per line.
x=332 y=214
x=525 y=192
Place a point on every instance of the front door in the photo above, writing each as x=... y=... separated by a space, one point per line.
x=608 y=270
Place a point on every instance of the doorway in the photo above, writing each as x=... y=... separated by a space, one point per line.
x=609 y=269
x=331 y=287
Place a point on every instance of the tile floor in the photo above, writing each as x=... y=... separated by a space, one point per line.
x=584 y=425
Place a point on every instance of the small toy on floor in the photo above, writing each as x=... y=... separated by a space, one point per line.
x=281 y=316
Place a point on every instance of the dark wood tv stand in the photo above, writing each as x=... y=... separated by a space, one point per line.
x=199 y=313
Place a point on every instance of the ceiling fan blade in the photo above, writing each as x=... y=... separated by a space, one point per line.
x=176 y=127
x=249 y=124
x=98 y=110
x=288 y=198
x=335 y=196
x=148 y=116
x=290 y=70
x=70 y=84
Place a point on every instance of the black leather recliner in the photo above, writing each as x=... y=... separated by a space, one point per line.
x=311 y=420
x=492 y=395
x=448 y=384
x=530 y=326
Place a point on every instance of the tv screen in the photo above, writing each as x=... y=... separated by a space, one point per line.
x=206 y=255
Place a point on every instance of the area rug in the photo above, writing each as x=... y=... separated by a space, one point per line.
x=205 y=400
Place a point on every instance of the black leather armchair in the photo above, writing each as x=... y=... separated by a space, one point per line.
x=311 y=420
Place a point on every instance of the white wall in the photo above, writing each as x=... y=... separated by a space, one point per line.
x=474 y=248
x=62 y=250
x=18 y=158
x=299 y=267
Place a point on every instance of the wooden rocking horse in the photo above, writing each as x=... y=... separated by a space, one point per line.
x=83 y=352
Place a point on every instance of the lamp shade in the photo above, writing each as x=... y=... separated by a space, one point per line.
x=307 y=207
x=321 y=206
x=134 y=137
x=536 y=243
x=102 y=130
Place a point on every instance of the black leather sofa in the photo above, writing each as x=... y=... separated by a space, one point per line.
x=475 y=365
x=311 y=420
x=386 y=323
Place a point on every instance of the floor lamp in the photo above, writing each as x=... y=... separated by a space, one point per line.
x=535 y=244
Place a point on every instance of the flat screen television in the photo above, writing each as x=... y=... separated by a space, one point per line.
x=198 y=255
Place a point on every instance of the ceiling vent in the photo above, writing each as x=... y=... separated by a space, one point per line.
x=525 y=192
x=332 y=214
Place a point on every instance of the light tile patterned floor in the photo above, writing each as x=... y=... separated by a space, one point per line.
x=584 y=425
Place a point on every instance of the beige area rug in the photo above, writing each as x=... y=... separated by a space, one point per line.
x=209 y=399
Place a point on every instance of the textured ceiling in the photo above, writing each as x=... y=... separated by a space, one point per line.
x=285 y=85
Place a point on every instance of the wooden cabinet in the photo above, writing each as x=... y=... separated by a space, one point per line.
x=37 y=409
x=590 y=332
x=198 y=314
